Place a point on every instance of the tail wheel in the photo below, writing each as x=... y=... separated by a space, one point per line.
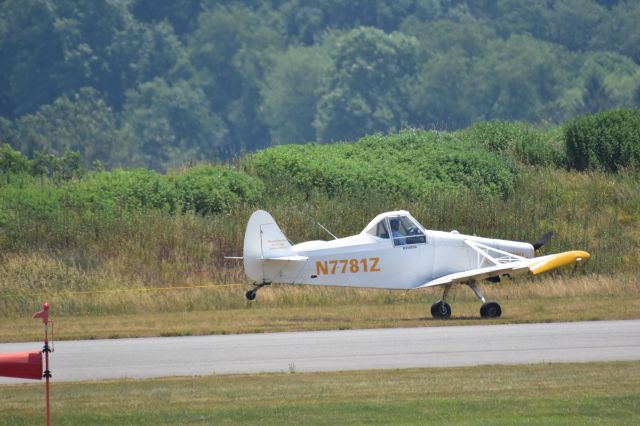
x=440 y=310
x=490 y=310
x=251 y=294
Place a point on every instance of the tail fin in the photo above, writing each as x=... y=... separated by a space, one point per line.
x=263 y=240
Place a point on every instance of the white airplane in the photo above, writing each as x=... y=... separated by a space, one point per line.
x=393 y=251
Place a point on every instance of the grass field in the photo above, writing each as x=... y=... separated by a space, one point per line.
x=221 y=310
x=542 y=394
x=135 y=272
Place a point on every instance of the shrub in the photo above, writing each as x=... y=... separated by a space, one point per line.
x=520 y=141
x=199 y=189
x=498 y=136
x=541 y=149
x=43 y=212
x=125 y=189
x=206 y=189
x=65 y=167
x=12 y=161
x=409 y=164
x=607 y=140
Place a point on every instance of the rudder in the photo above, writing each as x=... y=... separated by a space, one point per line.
x=263 y=239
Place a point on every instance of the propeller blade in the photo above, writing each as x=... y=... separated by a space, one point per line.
x=542 y=240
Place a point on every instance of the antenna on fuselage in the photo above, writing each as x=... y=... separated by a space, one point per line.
x=329 y=232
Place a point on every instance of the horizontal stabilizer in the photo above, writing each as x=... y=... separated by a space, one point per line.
x=287 y=258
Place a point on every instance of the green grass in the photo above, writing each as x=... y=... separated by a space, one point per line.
x=543 y=394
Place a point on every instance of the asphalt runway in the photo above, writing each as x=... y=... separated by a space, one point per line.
x=445 y=346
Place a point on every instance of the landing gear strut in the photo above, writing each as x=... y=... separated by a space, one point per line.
x=489 y=309
x=251 y=294
x=441 y=309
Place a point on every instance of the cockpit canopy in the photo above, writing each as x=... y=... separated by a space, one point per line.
x=400 y=226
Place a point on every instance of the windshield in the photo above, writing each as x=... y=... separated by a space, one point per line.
x=405 y=231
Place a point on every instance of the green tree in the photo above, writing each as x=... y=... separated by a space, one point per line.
x=520 y=17
x=6 y=132
x=368 y=87
x=440 y=97
x=12 y=161
x=49 y=48
x=81 y=122
x=572 y=23
x=444 y=83
x=172 y=124
x=471 y=37
x=138 y=53
x=114 y=50
x=291 y=92
x=230 y=51
x=181 y=14
x=520 y=79
x=30 y=48
x=609 y=80
x=619 y=31
x=304 y=20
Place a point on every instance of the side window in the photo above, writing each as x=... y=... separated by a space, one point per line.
x=380 y=230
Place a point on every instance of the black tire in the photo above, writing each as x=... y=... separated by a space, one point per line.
x=250 y=295
x=490 y=310
x=441 y=310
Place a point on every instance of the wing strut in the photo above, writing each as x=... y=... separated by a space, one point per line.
x=491 y=255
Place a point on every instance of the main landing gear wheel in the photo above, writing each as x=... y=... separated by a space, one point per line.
x=440 y=310
x=490 y=310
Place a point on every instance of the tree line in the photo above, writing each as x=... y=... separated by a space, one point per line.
x=160 y=83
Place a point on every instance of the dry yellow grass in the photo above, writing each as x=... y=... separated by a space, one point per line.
x=223 y=309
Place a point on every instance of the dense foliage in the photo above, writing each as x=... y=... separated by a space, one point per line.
x=408 y=165
x=200 y=189
x=159 y=83
x=75 y=204
x=519 y=141
x=64 y=167
x=608 y=140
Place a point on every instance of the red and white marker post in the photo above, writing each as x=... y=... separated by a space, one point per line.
x=28 y=365
x=44 y=314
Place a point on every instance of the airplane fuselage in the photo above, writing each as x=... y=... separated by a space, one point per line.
x=364 y=260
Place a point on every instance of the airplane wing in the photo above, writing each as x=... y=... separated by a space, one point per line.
x=535 y=266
